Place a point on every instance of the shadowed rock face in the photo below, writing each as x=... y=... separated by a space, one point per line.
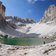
x=2 y=22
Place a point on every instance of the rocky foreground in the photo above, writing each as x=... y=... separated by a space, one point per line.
x=40 y=50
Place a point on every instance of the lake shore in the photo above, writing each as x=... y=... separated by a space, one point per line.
x=40 y=50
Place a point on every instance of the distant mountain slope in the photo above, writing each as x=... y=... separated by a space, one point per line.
x=6 y=29
x=17 y=19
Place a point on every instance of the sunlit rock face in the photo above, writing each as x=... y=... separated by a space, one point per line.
x=49 y=14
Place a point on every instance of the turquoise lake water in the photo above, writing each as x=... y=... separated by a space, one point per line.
x=24 y=41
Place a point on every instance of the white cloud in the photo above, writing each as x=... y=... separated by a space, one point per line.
x=34 y=1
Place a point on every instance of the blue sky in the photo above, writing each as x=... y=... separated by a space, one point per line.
x=33 y=9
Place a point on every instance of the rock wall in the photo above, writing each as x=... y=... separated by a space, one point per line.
x=49 y=14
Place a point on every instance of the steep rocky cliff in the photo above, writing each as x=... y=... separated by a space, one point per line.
x=49 y=14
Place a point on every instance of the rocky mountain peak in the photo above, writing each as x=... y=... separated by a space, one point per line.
x=49 y=14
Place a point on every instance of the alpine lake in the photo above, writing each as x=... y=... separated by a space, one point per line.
x=24 y=41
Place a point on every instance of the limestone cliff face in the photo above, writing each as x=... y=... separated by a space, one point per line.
x=49 y=14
